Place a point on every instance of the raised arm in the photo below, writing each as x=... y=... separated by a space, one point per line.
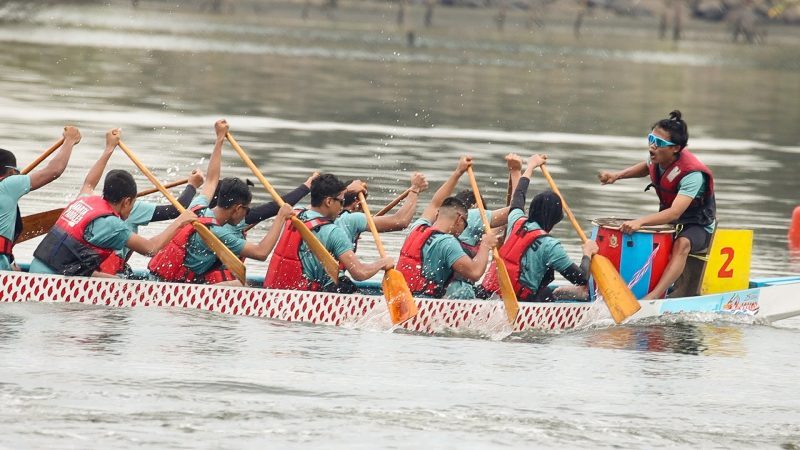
x=96 y=172
x=635 y=171
x=264 y=248
x=446 y=190
x=402 y=218
x=215 y=162
x=167 y=212
x=518 y=199
x=149 y=246
x=270 y=209
x=56 y=166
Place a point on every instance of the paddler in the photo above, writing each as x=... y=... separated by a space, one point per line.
x=294 y=266
x=432 y=254
x=187 y=258
x=142 y=213
x=532 y=255
x=685 y=189
x=13 y=185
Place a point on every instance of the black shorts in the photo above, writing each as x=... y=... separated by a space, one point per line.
x=697 y=235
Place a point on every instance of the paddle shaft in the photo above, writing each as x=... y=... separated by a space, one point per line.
x=371 y=224
x=564 y=204
x=224 y=253
x=275 y=196
x=42 y=157
x=393 y=203
x=167 y=186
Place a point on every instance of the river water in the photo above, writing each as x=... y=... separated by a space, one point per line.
x=351 y=98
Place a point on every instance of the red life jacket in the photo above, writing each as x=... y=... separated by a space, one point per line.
x=702 y=210
x=169 y=264
x=112 y=265
x=64 y=249
x=285 y=269
x=6 y=247
x=411 y=261
x=512 y=252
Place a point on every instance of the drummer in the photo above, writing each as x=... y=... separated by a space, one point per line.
x=685 y=189
x=532 y=255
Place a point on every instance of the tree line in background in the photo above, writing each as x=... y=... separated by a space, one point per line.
x=746 y=18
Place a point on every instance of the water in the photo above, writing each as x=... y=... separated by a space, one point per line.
x=351 y=98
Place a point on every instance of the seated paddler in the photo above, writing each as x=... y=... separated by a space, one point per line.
x=432 y=255
x=685 y=189
x=222 y=206
x=294 y=266
x=532 y=255
x=14 y=185
x=142 y=213
x=93 y=227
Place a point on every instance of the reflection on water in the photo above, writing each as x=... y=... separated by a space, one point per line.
x=684 y=338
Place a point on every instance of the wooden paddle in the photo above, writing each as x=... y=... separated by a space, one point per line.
x=619 y=298
x=506 y=288
x=319 y=250
x=225 y=254
x=395 y=289
x=40 y=223
x=393 y=203
x=42 y=157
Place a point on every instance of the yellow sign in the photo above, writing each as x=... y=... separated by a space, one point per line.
x=728 y=266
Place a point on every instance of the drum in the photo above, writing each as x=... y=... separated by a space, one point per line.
x=645 y=252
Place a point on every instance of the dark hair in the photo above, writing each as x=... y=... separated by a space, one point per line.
x=119 y=184
x=325 y=185
x=455 y=204
x=676 y=127
x=230 y=192
x=215 y=198
x=546 y=210
x=467 y=197
x=351 y=197
x=6 y=159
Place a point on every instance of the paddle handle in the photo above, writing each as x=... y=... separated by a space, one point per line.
x=249 y=162
x=160 y=187
x=478 y=201
x=564 y=204
x=168 y=186
x=371 y=224
x=393 y=203
x=42 y=157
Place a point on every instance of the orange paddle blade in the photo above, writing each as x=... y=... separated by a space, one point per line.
x=506 y=289
x=398 y=296
x=615 y=292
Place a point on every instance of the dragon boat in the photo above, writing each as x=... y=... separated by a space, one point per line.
x=765 y=299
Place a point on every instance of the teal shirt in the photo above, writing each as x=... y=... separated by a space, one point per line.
x=353 y=223
x=460 y=288
x=439 y=255
x=140 y=216
x=548 y=254
x=333 y=237
x=106 y=232
x=199 y=258
x=11 y=190
x=693 y=185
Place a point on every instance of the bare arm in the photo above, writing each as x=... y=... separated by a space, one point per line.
x=150 y=246
x=402 y=218
x=446 y=189
x=669 y=215
x=215 y=162
x=500 y=216
x=96 y=172
x=636 y=171
x=56 y=166
x=361 y=271
x=264 y=248
x=514 y=163
x=473 y=269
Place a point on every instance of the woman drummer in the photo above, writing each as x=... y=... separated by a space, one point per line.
x=685 y=188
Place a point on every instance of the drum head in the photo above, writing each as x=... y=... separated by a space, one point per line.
x=613 y=223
